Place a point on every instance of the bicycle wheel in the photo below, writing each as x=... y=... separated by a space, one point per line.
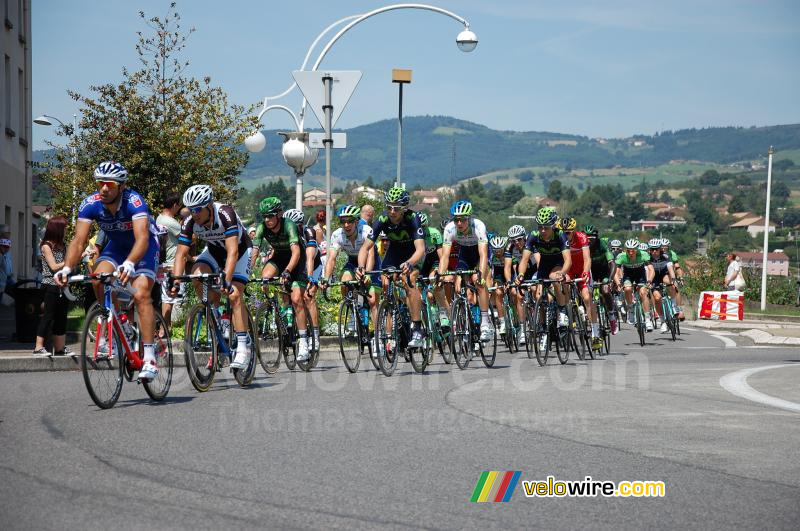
x=605 y=326
x=669 y=316
x=289 y=346
x=200 y=347
x=158 y=387
x=269 y=336
x=434 y=327
x=313 y=347
x=584 y=332
x=387 y=343
x=534 y=315
x=640 y=326
x=420 y=357
x=349 y=335
x=244 y=377
x=539 y=337
x=444 y=339
x=570 y=335
x=102 y=372
x=489 y=350
x=460 y=333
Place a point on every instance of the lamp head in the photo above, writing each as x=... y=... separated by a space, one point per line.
x=255 y=142
x=42 y=120
x=467 y=40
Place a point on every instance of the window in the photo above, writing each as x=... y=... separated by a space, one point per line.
x=23 y=104
x=6 y=14
x=7 y=92
x=21 y=20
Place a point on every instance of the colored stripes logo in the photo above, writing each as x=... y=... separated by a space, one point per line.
x=495 y=486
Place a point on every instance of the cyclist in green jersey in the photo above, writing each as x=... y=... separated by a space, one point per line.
x=433 y=255
x=633 y=267
x=603 y=268
x=616 y=247
x=287 y=260
x=676 y=265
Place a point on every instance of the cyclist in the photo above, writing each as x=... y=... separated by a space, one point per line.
x=349 y=237
x=433 y=256
x=551 y=251
x=497 y=245
x=131 y=249
x=581 y=271
x=287 y=260
x=673 y=256
x=406 y=252
x=470 y=234
x=633 y=267
x=313 y=263
x=664 y=274
x=616 y=247
x=603 y=268
x=228 y=250
x=512 y=255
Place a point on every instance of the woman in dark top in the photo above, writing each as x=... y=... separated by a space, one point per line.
x=55 y=304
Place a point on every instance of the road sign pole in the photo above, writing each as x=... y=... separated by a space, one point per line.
x=327 y=81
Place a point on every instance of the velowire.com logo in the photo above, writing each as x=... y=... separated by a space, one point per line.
x=495 y=486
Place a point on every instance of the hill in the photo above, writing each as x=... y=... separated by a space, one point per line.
x=441 y=149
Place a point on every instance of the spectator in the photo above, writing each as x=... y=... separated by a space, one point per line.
x=55 y=304
x=368 y=213
x=169 y=209
x=6 y=270
x=319 y=232
x=733 y=277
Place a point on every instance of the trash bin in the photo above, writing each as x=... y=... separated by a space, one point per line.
x=28 y=303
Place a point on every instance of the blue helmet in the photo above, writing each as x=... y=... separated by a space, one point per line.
x=461 y=208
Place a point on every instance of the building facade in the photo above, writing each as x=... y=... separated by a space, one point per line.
x=15 y=134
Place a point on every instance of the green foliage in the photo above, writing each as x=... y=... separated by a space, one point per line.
x=780 y=290
x=170 y=131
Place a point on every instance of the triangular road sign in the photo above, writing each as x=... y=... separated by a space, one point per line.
x=312 y=87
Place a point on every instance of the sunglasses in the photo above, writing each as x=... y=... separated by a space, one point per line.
x=270 y=216
x=196 y=210
x=395 y=208
x=460 y=219
x=542 y=227
x=109 y=184
x=347 y=220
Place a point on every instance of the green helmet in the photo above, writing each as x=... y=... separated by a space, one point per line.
x=546 y=216
x=270 y=205
x=423 y=218
x=348 y=211
x=396 y=196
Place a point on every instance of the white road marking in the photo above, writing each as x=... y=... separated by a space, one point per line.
x=726 y=340
x=736 y=384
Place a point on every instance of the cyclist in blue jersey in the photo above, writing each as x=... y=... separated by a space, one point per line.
x=406 y=252
x=132 y=248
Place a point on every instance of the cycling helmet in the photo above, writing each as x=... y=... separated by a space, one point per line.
x=423 y=218
x=517 y=231
x=664 y=242
x=461 y=208
x=498 y=242
x=632 y=243
x=270 y=205
x=295 y=215
x=615 y=243
x=197 y=196
x=111 y=171
x=654 y=243
x=396 y=196
x=591 y=231
x=348 y=211
x=567 y=223
x=546 y=216
x=444 y=222
x=643 y=246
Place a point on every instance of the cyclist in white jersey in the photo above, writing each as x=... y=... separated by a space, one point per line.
x=473 y=244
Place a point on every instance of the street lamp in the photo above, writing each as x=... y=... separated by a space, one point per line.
x=46 y=119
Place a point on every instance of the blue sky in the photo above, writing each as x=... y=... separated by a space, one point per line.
x=613 y=68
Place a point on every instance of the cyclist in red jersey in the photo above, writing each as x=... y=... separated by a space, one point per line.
x=581 y=271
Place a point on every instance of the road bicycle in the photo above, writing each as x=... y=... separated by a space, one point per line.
x=465 y=324
x=277 y=332
x=668 y=311
x=440 y=335
x=110 y=346
x=209 y=342
x=353 y=324
x=393 y=328
x=578 y=336
x=603 y=318
x=637 y=309
x=513 y=325
x=541 y=322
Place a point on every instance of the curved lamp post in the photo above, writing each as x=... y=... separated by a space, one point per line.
x=466 y=41
x=46 y=119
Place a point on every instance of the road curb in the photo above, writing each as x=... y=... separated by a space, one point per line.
x=762 y=337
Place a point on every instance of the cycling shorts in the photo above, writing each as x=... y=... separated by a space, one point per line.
x=147 y=266
x=242 y=271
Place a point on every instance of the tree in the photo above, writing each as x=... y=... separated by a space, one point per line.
x=710 y=178
x=665 y=197
x=170 y=131
x=783 y=164
x=555 y=190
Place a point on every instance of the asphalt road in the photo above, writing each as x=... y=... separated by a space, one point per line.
x=333 y=450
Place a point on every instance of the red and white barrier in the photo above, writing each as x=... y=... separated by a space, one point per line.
x=721 y=305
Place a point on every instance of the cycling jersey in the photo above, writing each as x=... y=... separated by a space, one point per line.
x=468 y=241
x=310 y=240
x=340 y=242
x=661 y=265
x=401 y=237
x=433 y=242
x=601 y=255
x=118 y=229
x=576 y=246
x=549 y=251
x=223 y=224
x=673 y=256
x=633 y=270
x=281 y=242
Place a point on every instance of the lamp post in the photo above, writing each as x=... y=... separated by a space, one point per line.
x=46 y=119
x=466 y=41
x=766 y=233
x=401 y=77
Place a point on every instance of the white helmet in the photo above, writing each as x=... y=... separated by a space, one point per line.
x=111 y=171
x=632 y=243
x=643 y=246
x=197 y=196
x=498 y=242
x=655 y=243
x=615 y=243
x=295 y=215
x=517 y=231
x=664 y=242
